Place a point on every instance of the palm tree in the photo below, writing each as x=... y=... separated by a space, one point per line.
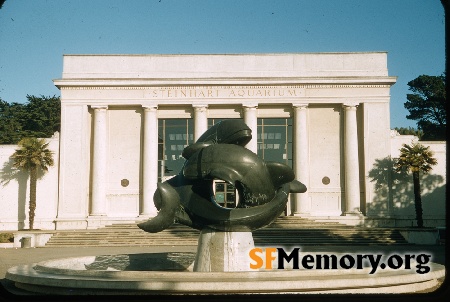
x=33 y=155
x=416 y=158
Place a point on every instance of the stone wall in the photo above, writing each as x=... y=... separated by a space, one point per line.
x=400 y=197
x=14 y=192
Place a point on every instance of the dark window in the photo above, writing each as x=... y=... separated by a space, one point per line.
x=173 y=136
x=275 y=140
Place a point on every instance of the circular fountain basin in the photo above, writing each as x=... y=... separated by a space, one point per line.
x=171 y=273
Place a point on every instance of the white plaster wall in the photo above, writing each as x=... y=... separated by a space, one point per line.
x=325 y=159
x=402 y=188
x=14 y=192
x=398 y=140
x=432 y=185
x=439 y=149
x=225 y=111
x=375 y=134
x=47 y=191
x=75 y=160
x=124 y=160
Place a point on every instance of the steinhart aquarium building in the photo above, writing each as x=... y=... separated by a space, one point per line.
x=125 y=120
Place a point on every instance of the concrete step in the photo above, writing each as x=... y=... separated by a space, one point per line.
x=281 y=221
x=285 y=231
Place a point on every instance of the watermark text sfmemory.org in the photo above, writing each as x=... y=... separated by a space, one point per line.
x=278 y=258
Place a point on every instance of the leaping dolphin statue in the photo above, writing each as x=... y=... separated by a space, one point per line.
x=188 y=198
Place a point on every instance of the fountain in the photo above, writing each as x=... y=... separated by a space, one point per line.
x=223 y=262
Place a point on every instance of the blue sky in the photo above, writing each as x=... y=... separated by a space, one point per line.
x=34 y=35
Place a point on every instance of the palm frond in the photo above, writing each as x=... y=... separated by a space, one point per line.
x=33 y=153
x=416 y=158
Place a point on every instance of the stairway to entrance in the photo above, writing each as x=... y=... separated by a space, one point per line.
x=285 y=231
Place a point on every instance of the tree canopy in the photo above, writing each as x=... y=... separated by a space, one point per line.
x=416 y=158
x=39 y=117
x=409 y=131
x=427 y=105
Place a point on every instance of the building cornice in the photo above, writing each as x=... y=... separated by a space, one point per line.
x=123 y=83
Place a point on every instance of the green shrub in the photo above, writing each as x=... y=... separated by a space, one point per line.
x=6 y=237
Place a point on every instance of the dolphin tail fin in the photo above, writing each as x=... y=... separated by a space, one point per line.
x=169 y=202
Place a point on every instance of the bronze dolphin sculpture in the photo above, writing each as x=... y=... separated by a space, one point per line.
x=188 y=198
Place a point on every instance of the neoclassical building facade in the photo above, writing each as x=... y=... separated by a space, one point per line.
x=125 y=120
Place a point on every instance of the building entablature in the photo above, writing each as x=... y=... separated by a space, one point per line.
x=225 y=94
x=226 y=79
x=307 y=82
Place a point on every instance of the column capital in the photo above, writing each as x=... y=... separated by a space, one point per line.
x=150 y=107
x=250 y=106
x=300 y=105
x=99 y=107
x=200 y=107
x=350 y=105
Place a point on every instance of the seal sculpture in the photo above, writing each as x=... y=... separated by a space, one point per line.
x=188 y=198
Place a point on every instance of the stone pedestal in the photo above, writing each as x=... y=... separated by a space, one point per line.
x=223 y=251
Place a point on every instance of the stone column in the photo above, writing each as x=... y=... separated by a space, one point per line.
x=150 y=160
x=200 y=120
x=301 y=158
x=99 y=161
x=251 y=120
x=351 y=161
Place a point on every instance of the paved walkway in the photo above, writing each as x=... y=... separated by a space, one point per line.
x=10 y=257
